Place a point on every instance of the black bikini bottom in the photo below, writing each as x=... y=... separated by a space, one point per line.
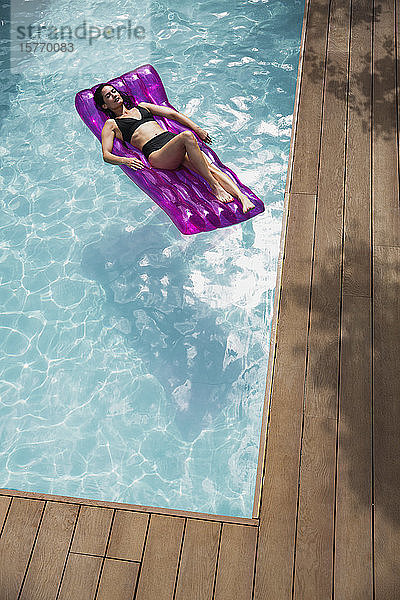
x=157 y=142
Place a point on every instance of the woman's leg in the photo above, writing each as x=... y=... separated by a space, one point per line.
x=226 y=182
x=173 y=153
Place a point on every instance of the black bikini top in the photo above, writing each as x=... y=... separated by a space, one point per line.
x=128 y=125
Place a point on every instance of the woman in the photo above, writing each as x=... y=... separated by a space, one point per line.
x=163 y=149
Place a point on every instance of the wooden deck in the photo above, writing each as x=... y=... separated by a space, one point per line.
x=328 y=524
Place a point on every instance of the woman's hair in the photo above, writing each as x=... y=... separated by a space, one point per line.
x=98 y=98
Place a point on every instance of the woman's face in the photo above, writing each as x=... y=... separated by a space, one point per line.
x=112 y=98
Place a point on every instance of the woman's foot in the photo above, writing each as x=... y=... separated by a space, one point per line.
x=221 y=194
x=246 y=203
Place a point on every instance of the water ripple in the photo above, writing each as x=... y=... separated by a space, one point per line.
x=133 y=359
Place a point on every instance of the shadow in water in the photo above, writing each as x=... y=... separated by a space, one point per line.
x=179 y=339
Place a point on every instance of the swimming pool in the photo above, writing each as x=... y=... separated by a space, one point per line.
x=133 y=359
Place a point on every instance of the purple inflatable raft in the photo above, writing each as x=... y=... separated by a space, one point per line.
x=184 y=195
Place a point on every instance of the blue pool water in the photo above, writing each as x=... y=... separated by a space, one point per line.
x=133 y=359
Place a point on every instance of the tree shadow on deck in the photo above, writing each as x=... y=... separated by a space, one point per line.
x=339 y=330
x=359 y=76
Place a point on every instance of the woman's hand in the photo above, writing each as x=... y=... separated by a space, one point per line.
x=203 y=135
x=134 y=163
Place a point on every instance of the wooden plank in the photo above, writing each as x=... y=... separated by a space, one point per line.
x=307 y=139
x=301 y=208
x=323 y=360
x=353 y=539
x=288 y=383
x=16 y=544
x=387 y=420
x=314 y=547
x=279 y=494
x=357 y=229
x=235 y=571
x=277 y=533
x=160 y=561
x=385 y=172
x=135 y=507
x=313 y=569
x=128 y=535
x=50 y=552
x=4 y=505
x=81 y=577
x=118 y=580
x=92 y=530
x=198 y=562
x=271 y=361
x=295 y=121
x=397 y=45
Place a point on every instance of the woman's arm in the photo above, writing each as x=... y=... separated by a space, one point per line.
x=107 y=142
x=170 y=113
